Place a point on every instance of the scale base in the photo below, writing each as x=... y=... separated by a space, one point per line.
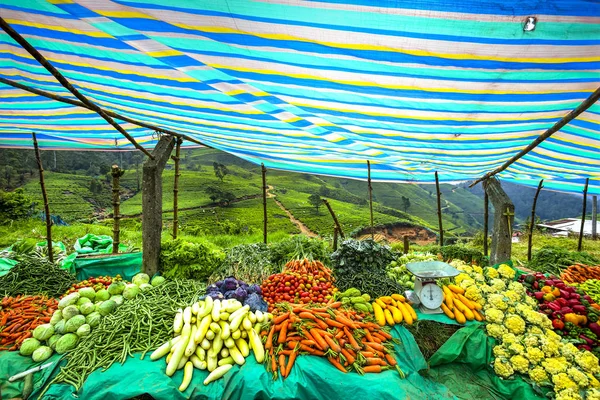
x=426 y=310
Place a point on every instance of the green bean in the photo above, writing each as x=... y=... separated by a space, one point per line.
x=33 y=276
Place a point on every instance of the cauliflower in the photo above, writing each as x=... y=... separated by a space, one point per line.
x=516 y=348
x=491 y=273
x=535 y=330
x=592 y=394
x=555 y=365
x=518 y=288
x=466 y=283
x=496 y=331
x=578 y=377
x=461 y=277
x=515 y=324
x=461 y=266
x=506 y=271
x=497 y=285
x=473 y=293
x=553 y=336
x=535 y=355
x=513 y=296
x=478 y=277
x=568 y=350
x=593 y=381
x=500 y=351
x=530 y=340
x=569 y=394
x=587 y=361
x=519 y=363
x=509 y=338
x=503 y=368
x=477 y=269
x=494 y=316
x=562 y=381
x=536 y=318
x=539 y=375
x=551 y=348
x=531 y=302
x=496 y=301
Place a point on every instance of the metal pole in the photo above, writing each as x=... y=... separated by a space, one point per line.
x=486 y=210
x=264 y=182
x=585 y=189
x=38 y=157
x=370 y=196
x=532 y=222
x=176 y=187
x=439 y=208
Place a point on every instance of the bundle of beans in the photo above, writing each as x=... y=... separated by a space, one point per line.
x=20 y=315
x=579 y=273
x=343 y=336
x=36 y=276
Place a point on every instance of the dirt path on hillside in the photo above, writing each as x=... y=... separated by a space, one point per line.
x=303 y=228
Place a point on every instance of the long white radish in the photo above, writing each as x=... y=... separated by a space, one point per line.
x=217 y=373
x=225 y=332
x=191 y=346
x=187 y=315
x=188 y=371
x=178 y=322
x=216 y=310
x=164 y=349
x=203 y=328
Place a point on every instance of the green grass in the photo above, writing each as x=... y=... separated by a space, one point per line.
x=519 y=250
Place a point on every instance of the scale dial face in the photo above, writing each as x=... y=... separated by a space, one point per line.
x=431 y=296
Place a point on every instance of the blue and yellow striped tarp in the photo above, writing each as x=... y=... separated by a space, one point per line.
x=414 y=86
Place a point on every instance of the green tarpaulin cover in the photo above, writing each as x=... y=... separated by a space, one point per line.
x=96 y=244
x=126 y=265
x=6 y=264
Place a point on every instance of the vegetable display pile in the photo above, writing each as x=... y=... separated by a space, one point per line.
x=349 y=342
x=580 y=273
x=398 y=272
x=213 y=335
x=296 y=288
x=362 y=265
x=553 y=260
x=34 y=276
x=592 y=288
x=392 y=310
x=247 y=262
x=299 y=246
x=139 y=325
x=181 y=259
x=20 y=316
x=231 y=288
x=32 y=251
x=96 y=283
x=457 y=307
x=355 y=299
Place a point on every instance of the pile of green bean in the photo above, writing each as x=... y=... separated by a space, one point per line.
x=33 y=276
x=139 y=325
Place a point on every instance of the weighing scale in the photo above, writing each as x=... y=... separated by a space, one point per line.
x=428 y=293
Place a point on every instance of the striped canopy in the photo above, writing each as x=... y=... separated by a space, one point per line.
x=321 y=86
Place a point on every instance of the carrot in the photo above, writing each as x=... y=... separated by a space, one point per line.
x=336 y=304
x=375 y=361
x=368 y=336
x=349 y=357
x=337 y=364
x=376 y=346
x=269 y=343
x=323 y=315
x=345 y=321
x=391 y=360
x=386 y=335
x=285 y=352
x=282 y=365
x=372 y=368
x=307 y=315
x=323 y=332
x=367 y=354
x=307 y=335
x=379 y=336
x=334 y=346
x=351 y=339
x=317 y=338
x=273 y=362
x=333 y=323
x=340 y=334
x=281 y=318
x=290 y=363
x=321 y=324
x=308 y=342
x=282 y=334
x=4 y=319
x=294 y=336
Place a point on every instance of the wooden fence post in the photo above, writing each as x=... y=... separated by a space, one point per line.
x=585 y=189
x=370 y=197
x=176 y=187
x=38 y=158
x=335 y=238
x=406 y=244
x=594 y=217
x=335 y=220
x=532 y=223
x=439 y=208
x=116 y=202
x=486 y=211
x=264 y=187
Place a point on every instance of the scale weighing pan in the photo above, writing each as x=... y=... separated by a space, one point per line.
x=432 y=269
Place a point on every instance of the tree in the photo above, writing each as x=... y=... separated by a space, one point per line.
x=405 y=203
x=324 y=191
x=316 y=201
x=13 y=205
x=220 y=170
x=218 y=195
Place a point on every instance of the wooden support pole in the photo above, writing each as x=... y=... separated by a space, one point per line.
x=439 y=208
x=264 y=188
x=152 y=203
x=585 y=189
x=594 y=217
x=108 y=112
x=63 y=81
x=38 y=158
x=504 y=212
x=370 y=197
x=335 y=238
x=406 y=244
x=532 y=222
x=486 y=212
x=335 y=220
x=587 y=103
x=176 y=159
x=116 y=173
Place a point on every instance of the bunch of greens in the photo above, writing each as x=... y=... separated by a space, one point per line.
x=184 y=259
x=247 y=262
x=554 y=260
x=299 y=247
x=35 y=275
x=362 y=264
x=28 y=249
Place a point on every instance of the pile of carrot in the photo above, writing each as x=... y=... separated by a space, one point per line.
x=306 y=266
x=579 y=273
x=20 y=315
x=346 y=338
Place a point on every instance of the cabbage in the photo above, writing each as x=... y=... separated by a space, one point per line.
x=240 y=294
x=256 y=303
x=229 y=284
x=74 y=323
x=98 y=304
x=57 y=316
x=60 y=326
x=83 y=300
x=116 y=288
x=140 y=278
x=87 y=292
x=102 y=295
x=254 y=288
x=93 y=319
x=107 y=307
x=117 y=299
x=157 y=280
x=43 y=332
x=145 y=286
x=87 y=308
x=42 y=353
x=53 y=339
x=219 y=283
x=229 y=294
x=69 y=312
x=68 y=300
x=84 y=330
x=66 y=343
x=28 y=346
x=130 y=291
